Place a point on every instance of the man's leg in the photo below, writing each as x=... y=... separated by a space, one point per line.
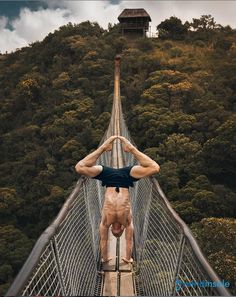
x=87 y=165
x=146 y=166
x=129 y=232
x=104 y=242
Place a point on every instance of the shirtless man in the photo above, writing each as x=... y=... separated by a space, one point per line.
x=116 y=210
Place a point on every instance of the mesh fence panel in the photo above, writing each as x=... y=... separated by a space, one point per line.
x=163 y=253
x=68 y=265
x=190 y=272
x=46 y=272
x=76 y=243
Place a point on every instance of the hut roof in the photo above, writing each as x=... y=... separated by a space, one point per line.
x=134 y=13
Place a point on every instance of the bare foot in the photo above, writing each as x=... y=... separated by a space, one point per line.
x=107 y=260
x=107 y=145
x=127 y=145
x=128 y=261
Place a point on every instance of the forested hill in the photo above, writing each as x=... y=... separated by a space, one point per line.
x=179 y=102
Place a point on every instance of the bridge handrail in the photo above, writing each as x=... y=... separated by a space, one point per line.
x=193 y=243
x=32 y=260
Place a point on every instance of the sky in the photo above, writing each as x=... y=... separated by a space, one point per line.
x=24 y=22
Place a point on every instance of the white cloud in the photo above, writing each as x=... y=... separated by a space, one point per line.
x=31 y=26
x=3 y=22
x=10 y=41
x=102 y=12
x=222 y=11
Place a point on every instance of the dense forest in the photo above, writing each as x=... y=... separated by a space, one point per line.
x=179 y=101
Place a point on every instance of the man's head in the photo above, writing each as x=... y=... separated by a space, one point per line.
x=117 y=229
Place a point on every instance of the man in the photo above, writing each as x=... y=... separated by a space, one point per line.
x=116 y=210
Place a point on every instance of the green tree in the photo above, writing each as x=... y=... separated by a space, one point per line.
x=205 y=23
x=168 y=177
x=187 y=211
x=217 y=238
x=14 y=248
x=10 y=203
x=219 y=153
x=172 y=28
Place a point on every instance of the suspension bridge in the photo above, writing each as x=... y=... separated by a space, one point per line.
x=66 y=261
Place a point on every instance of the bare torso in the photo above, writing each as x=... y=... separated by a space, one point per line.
x=116 y=208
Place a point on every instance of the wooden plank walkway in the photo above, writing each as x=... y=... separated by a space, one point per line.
x=118 y=279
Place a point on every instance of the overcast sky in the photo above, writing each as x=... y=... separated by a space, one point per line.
x=23 y=22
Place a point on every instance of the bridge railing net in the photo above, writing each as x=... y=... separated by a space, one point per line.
x=68 y=264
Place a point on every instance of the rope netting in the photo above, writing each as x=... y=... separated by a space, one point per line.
x=66 y=258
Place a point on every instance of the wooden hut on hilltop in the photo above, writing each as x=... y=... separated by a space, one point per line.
x=134 y=22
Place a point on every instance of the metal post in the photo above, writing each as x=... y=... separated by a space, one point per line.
x=58 y=263
x=145 y=227
x=178 y=263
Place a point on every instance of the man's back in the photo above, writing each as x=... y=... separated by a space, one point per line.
x=116 y=208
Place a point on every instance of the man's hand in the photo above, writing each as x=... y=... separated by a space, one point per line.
x=106 y=260
x=107 y=145
x=127 y=145
x=128 y=261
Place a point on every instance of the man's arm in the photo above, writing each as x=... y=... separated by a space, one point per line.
x=129 y=232
x=103 y=229
x=87 y=165
x=146 y=166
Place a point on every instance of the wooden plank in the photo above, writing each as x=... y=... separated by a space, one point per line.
x=126 y=284
x=110 y=284
x=111 y=265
